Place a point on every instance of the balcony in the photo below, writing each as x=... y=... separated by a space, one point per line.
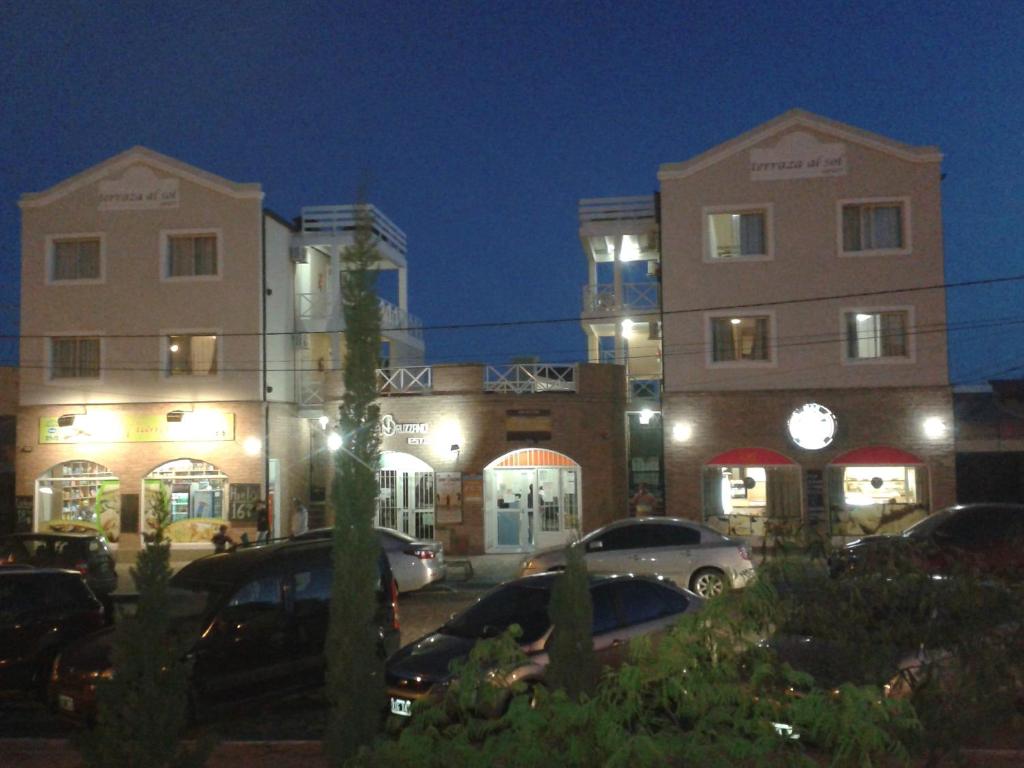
x=315 y=314
x=636 y=297
x=530 y=378
x=604 y=209
x=327 y=223
x=411 y=380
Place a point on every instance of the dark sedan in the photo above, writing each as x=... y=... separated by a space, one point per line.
x=89 y=554
x=624 y=608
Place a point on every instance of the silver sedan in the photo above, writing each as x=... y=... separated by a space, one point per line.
x=690 y=554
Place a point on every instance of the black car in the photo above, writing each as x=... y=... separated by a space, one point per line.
x=259 y=620
x=42 y=610
x=86 y=553
x=624 y=608
x=984 y=539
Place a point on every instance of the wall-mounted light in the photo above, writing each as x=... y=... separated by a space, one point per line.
x=323 y=421
x=252 y=446
x=934 y=428
x=455 y=448
x=681 y=431
x=67 y=420
x=646 y=415
x=627 y=327
x=175 y=417
x=333 y=442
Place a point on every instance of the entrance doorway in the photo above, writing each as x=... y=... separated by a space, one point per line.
x=406 y=499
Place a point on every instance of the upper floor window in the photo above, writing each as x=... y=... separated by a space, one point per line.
x=75 y=258
x=741 y=339
x=74 y=357
x=874 y=335
x=192 y=255
x=194 y=355
x=737 y=233
x=874 y=226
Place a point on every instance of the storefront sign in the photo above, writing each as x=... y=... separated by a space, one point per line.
x=528 y=424
x=138 y=189
x=473 y=489
x=415 y=430
x=449 y=498
x=812 y=426
x=111 y=427
x=798 y=155
x=242 y=505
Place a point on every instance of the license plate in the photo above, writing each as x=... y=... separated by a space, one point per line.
x=66 y=703
x=401 y=707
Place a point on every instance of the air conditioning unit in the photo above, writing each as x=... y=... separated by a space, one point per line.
x=654 y=330
x=301 y=340
x=298 y=254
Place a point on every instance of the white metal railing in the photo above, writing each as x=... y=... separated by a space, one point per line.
x=535 y=377
x=635 y=297
x=312 y=306
x=394 y=318
x=419 y=378
x=616 y=208
x=311 y=389
x=645 y=389
x=342 y=219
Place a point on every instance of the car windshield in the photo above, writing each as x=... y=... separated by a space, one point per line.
x=526 y=606
x=193 y=600
x=922 y=529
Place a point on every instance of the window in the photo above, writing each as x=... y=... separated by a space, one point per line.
x=191 y=255
x=873 y=335
x=75 y=259
x=740 y=339
x=74 y=358
x=737 y=234
x=192 y=355
x=873 y=226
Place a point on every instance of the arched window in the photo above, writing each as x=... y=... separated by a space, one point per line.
x=876 y=490
x=194 y=492
x=79 y=496
x=747 y=489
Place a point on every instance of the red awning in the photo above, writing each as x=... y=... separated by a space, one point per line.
x=877 y=456
x=750 y=457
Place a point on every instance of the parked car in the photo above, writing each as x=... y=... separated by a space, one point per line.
x=625 y=607
x=86 y=553
x=414 y=562
x=690 y=554
x=985 y=539
x=42 y=610
x=254 y=622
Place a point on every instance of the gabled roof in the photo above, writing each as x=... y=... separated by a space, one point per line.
x=799 y=118
x=133 y=156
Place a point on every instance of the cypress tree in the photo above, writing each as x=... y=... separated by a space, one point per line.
x=573 y=666
x=142 y=708
x=355 y=669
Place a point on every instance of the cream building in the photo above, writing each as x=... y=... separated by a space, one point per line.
x=178 y=337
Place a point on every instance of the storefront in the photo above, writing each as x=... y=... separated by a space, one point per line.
x=876 y=490
x=78 y=496
x=407 y=495
x=748 y=490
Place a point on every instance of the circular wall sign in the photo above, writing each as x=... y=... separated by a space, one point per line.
x=812 y=426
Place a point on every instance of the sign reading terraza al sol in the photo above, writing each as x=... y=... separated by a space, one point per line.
x=416 y=431
x=797 y=155
x=138 y=189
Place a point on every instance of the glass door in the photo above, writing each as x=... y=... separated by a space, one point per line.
x=514 y=500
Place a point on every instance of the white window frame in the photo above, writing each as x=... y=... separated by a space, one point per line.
x=709 y=341
x=165 y=354
x=51 y=245
x=69 y=380
x=165 y=254
x=905 y=224
x=769 y=231
x=844 y=338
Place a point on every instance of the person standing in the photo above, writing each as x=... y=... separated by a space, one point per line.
x=221 y=540
x=262 y=523
x=300 y=517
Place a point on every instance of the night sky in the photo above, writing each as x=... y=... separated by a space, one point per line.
x=477 y=127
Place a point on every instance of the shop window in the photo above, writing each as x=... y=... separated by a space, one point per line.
x=79 y=496
x=876 y=499
x=737 y=234
x=192 y=355
x=192 y=255
x=740 y=339
x=194 y=492
x=874 y=226
x=74 y=357
x=75 y=258
x=875 y=335
x=751 y=500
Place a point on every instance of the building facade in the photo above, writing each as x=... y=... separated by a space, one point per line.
x=802 y=343
x=179 y=340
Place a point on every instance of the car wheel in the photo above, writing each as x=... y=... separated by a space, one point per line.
x=708 y=582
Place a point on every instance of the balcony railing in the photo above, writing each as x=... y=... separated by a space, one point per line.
x=336 y=220
x=616 y=208
x=315 y=306
x=645 y=390
x=530 y=378
x=413 y=379
x=636 y=297
x=311 y=389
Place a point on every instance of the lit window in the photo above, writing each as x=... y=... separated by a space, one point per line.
x=740 y=339
x=76 y=259
x=192 y=355
x=873 y=227
x=191 y=255
x=874 y=335
x=74 y=358
x=737 y=234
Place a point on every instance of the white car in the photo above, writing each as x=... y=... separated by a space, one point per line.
x=415 y=563
x=690 y=554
